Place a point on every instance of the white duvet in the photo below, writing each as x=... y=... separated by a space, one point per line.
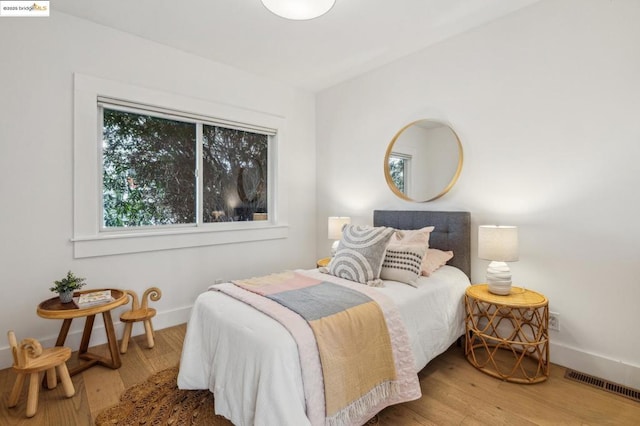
x=250 y=361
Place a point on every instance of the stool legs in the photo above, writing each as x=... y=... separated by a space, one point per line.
x=15 y=391
x=125 y=338
x=52 y=380
x=67 y=384
x=32 y=398
x=34 y=387
x=148 y=328
x=30 y=359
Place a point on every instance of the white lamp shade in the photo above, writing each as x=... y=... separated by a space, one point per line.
x=336 y=223
x=299 y=9
x=498 y=243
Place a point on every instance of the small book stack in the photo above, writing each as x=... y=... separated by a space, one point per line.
x=93 y=298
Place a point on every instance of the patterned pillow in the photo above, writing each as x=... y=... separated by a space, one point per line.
x=434 y=259
x=403 y=263
x=414 y=237
x=360 y=254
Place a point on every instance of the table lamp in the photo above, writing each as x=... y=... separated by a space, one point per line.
x=499 y=244
x=336 y=224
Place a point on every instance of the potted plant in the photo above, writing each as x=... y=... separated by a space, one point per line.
x=66 y=286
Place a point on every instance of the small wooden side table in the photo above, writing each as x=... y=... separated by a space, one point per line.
x=54 y=309
x=323 y=262
x=508 y=336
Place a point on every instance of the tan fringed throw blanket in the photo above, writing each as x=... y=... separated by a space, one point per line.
x=346 y=348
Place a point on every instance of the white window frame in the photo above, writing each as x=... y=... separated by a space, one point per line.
x=89 y=239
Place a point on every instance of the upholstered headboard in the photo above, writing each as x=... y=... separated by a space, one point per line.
x=452 y=231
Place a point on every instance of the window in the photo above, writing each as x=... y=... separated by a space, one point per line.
x=235 y=175
x=399 y=168
x=167 y=171
x=150 y=171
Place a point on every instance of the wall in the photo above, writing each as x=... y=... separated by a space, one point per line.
x=39 y=57
x=546 y=103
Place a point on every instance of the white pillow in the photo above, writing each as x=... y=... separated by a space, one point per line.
x=434 y=259
x=403 y=263
x=412 y=236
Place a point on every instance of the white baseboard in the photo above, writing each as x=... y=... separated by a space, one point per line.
x=98 y=336
x=596 y=365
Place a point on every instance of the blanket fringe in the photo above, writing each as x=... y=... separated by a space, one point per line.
x=364 y=407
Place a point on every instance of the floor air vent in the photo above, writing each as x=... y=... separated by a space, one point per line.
x=603 y=384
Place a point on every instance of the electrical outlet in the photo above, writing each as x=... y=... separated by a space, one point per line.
x=218 y=281
x=554 y=321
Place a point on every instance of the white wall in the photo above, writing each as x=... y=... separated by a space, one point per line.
x=39 y=57
x=546 y=103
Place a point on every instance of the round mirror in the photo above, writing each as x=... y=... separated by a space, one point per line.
x=423 y=161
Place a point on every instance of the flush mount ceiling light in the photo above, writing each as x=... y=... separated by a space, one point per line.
x=299 y=10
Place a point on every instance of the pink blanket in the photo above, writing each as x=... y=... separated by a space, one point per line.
x=349 y=372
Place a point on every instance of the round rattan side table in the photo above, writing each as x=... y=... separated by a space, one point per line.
x=507 y=336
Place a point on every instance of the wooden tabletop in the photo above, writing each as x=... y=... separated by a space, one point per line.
x=323 y=262
x=518 y=297
x=54 y=309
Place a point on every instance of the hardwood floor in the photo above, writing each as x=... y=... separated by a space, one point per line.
x=96 y=388
x=454 y=393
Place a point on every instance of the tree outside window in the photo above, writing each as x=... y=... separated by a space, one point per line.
x=150 y=171
x=398 y=169
x=235 y=174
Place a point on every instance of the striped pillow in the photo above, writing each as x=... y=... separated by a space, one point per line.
x=360 y=254
x=403 y=263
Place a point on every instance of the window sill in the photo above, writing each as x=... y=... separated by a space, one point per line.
x=112 y=243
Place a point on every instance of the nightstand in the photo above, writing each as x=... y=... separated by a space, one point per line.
x=508 y=336
x=323 y=262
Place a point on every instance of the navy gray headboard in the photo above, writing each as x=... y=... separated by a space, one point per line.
x=452 y=231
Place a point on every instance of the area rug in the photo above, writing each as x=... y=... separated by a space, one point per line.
x=158 y=401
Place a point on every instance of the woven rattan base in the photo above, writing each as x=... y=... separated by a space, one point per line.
x=507 y=336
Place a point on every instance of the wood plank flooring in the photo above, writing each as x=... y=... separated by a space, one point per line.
x=454 y=393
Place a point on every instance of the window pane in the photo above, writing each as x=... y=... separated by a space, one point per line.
x=397 y=171
x=234 y=175
x=148 y=170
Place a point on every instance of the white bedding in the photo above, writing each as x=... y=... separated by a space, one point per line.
x=250 y=362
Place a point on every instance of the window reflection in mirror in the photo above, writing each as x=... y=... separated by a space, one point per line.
x=423 y=161
x=399 y=167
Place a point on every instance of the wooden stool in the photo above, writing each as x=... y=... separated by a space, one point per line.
x=139 y=313
x=30 y=358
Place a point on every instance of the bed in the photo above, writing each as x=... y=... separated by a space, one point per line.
x=251 y=363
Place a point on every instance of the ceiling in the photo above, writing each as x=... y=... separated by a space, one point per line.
x=354 y=37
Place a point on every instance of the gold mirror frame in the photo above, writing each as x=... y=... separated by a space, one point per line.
x=387 y=155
